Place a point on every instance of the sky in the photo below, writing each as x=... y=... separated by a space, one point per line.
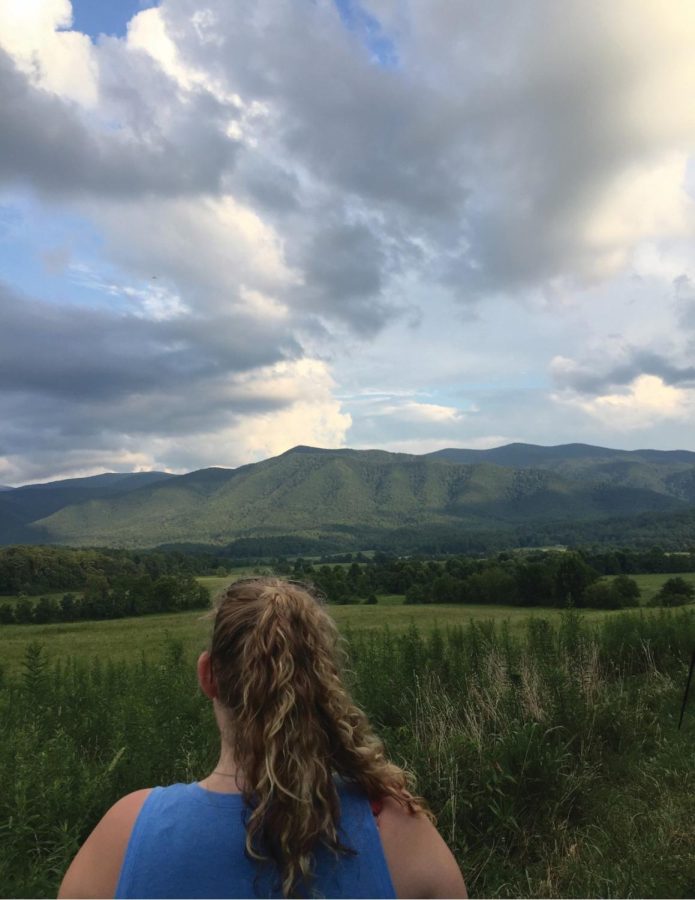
x=228 y=228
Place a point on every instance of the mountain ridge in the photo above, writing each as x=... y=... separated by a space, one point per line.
x=318 y=492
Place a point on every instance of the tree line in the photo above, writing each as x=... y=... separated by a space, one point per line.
x=550 y=579
x=117 y=583
x=44 y=569
x=27 y=569
x=117 y=598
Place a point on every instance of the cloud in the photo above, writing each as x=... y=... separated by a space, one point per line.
x=413 y=412
x=684 y=289
x=390 y=420
x=175 y=148
x=80 y=377
x=592 y=376
x=263 y=183
x=209 y=250
x=82 y=353
x=246 y=418
x=556 y=162
x=38 y=36
x=342 y=276
x=645 y=401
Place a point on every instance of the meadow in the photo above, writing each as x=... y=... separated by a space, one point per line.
x=650 y=585
x=131 y=638
x=544 y=740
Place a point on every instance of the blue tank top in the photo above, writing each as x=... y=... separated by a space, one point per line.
x=189 y=842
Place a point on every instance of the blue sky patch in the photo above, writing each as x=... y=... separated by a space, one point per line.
x=95 y=17
x=380 y=45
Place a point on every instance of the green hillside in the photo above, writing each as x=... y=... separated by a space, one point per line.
x=21 y=506
x=322 y=493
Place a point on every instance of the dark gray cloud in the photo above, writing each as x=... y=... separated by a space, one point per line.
x=343 y=265
x=265 y=185
x=79 y=352
x=376 y=134
x=48 y=144
x=684 y=289
x=599 y=376
x=74 y=376
x=490 y=144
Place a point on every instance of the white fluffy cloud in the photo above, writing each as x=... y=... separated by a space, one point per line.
x=645 y=401
x=302 y=411
x=37 y=35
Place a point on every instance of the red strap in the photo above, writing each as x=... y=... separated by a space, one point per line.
x=377 y=806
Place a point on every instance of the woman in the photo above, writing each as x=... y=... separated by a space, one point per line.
x=302 y=801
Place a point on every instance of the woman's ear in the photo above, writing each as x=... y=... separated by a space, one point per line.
x=206 y=679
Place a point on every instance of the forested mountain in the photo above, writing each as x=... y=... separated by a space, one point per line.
x=563 y=456
x=351 y=497
x=20 y=507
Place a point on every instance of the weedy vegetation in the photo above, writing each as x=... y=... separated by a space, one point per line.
x=550 y=755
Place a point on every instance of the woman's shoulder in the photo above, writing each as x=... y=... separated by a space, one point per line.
x=420 y=863
x=95 y=870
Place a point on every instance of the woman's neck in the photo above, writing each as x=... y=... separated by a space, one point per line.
x=226 y=777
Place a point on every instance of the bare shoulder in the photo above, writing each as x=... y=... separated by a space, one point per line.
x=95 y=869
x=420 y=863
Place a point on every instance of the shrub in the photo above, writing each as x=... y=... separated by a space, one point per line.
x=674 y=592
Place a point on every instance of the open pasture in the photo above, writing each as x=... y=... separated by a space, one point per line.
x=650 y=585
x=133 y=638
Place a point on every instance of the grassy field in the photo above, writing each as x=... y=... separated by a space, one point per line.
x=651 y=584
x=131 y=639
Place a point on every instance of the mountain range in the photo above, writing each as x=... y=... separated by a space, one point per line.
x=350 y=497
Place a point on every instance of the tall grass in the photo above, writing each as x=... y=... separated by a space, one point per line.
x=551 y=758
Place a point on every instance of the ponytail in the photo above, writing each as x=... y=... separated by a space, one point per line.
x=277 y=660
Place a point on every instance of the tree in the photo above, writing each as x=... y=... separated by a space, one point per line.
x=446 y=589
x=23 y=611
x=45 y=611
x=492 y=585
x=535 y=584
x=68 y=608
x=281 y=566
x=572 y=578
x=674 y=592
x=416 y=593
x=627 y=589
x=601 y=595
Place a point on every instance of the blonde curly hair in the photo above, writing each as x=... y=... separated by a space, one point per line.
x=277 y=659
